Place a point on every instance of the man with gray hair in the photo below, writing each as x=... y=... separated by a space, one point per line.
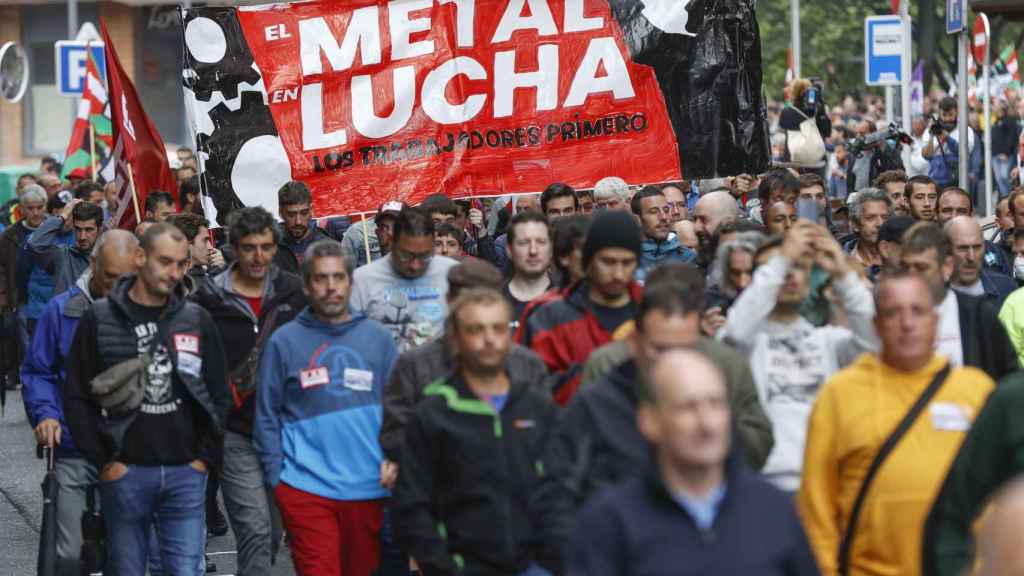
x=12 y=344
x=43 y=376
x=869 y=209
x=318 y=416
x=611 y=193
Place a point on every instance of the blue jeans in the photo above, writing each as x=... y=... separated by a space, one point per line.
x=1001 y=168
x=173 y=498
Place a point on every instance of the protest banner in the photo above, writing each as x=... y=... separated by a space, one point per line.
x=373 y=100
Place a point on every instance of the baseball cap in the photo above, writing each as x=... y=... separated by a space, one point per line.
x=389 y=208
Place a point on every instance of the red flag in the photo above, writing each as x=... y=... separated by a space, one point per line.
x=138 y=149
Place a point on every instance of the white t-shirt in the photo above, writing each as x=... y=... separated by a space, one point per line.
x=976 y=289
x=947 y=341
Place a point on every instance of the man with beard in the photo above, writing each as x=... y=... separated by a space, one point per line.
x=594 y=311
x=474 y=461
x=711 y=211
x=969 y=332
x=660 y=244
x=295 y=206
x=970 y=276
x=894 y=184
x=66 y=263
x=318 y=414
x=405 y=290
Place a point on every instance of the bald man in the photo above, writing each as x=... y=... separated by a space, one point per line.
x=658 y=524
x=711 y=211
x=43 y=376
x=970 y=276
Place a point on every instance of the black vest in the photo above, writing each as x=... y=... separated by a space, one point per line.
x=117 y=342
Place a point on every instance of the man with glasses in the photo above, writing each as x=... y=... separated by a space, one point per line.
x=675 y=199
x=406 y=289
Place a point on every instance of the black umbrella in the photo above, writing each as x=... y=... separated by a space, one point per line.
x=47 y=563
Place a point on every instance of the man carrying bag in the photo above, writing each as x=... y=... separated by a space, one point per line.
x=882 y=435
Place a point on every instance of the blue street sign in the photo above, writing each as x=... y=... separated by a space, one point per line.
x=956 y=12
x=71 y=62
x=883 y=50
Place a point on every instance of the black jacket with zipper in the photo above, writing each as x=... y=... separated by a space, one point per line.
x=469 y=498
x=241 y=330
x=105 y=337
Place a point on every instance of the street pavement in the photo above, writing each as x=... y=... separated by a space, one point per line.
x=21 y=503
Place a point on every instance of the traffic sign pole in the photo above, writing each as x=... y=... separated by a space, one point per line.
x=906 y=74
x=962 y=106
x=982 y=22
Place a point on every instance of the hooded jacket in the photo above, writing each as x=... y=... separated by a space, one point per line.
x=468 y=498
x=417 y=368
x=639 y=527
x=318 y=406
x=240 y=329
x=105 y=337
x=655 y=252
x=564 y=332
x=289 y=252
x=44 y=371
x=65 y=263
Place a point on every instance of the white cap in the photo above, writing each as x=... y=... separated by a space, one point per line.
x=611 y=185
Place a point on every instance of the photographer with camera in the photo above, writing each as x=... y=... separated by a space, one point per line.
x=806 y=124
x=941 y=148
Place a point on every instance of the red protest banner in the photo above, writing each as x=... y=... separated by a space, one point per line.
x=368 y=101
x=141 y=164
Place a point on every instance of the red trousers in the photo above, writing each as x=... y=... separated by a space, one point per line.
x=331 y=537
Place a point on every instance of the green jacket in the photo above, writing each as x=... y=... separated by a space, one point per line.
x=751 y=421
x=992 y=454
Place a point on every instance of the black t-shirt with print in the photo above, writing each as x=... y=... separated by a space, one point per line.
x=163 y=432
x=611 y=318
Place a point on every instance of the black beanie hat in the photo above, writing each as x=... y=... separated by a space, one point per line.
x=612 y=229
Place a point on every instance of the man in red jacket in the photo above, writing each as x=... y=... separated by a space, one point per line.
x=596 y=310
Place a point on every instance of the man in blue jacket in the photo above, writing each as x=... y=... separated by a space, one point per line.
x=970 y=275
x=318 y=415
x=660 y=244
x=698 y=510
x=43 y=377
x=66 y=263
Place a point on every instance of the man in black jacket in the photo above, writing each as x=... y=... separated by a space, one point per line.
x=698 y=510
x=153 y=450
x=247 y=307
x=421 y=366
x=295 y=206
x=469 y=499
x=970 y=333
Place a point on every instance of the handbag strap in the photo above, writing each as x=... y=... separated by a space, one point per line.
x=887 y=447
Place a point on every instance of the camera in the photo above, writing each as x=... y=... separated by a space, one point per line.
x=814 y=96
x=938 y=127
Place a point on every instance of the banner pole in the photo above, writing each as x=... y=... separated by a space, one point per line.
x=135 y=197
x=366 y=241
x=92 y=151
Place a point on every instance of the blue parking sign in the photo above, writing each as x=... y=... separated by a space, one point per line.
x=955 y=14
x=883 y=50
x=71 y=64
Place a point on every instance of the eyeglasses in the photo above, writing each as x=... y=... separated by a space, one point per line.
x=407 y=257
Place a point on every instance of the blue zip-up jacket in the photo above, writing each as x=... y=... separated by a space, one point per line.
x=43 y=373
x=35 y=285
x=997 y=286
x=319 y=406
x=668 y=250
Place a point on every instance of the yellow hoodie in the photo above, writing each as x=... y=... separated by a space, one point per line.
x=853 y=415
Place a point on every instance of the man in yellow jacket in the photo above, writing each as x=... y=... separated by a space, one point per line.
x=857 y=410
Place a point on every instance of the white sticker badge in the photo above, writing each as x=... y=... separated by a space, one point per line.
x=314 y=377
x=358 y=380
x=190 y=364
x=950 y=417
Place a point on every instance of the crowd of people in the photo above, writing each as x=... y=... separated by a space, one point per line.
x=770 y=374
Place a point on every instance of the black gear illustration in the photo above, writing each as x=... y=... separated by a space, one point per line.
x=232 y=129
x=227 y=75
